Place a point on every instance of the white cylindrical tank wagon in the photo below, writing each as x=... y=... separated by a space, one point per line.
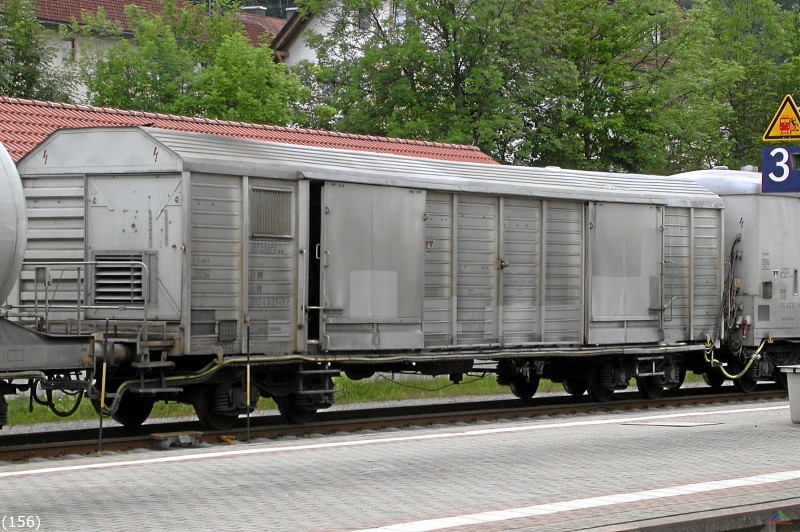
x=13 y=224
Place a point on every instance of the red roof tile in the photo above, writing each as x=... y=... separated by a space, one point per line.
x=64 y=11
x=257 y=26
x=25 y=123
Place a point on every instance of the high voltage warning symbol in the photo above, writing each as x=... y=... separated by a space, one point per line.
x=785 y=124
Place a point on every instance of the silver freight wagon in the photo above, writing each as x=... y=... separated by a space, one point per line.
x=200 y=249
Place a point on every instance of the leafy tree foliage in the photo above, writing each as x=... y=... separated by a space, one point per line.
x=757 y=44
x=182 y=61
x=148 y=74
x=621 y=60
x=24 y=68
x=243 y=83
x=428 y=69
x=578 y=83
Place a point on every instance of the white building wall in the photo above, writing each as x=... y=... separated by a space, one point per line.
x=299 y=50
x=68 y=51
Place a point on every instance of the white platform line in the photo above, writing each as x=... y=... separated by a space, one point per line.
x=582 y=504
x=260 y=449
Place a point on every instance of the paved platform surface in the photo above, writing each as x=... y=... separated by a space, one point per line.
x=712 y=468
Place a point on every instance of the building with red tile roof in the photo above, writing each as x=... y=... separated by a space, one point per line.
x=61 y=12
x=54 y=13
x=26 y=123
x=260 y=28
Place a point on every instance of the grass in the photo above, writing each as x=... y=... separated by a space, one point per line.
x=382 y=388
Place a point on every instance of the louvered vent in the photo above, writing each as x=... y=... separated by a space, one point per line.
x=117 y=281
x=270 y=213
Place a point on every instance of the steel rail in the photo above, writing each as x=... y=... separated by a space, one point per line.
x=84 y=441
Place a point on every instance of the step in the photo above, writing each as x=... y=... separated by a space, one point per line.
x=154 y=390
x=152 y=364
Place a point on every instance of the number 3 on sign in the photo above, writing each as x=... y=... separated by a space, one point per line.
x=779 y=173
x=781 y=159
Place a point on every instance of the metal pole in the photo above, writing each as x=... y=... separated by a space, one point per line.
x=78 y=299
x=103 y=392
x=247 y=387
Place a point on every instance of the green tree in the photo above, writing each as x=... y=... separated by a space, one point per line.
x=641 y=93
x=244 y=84
x=576 y=83
x=756 y=44
x=24 y=68
x=431 y=69
x=183 y=61
x=150 y=73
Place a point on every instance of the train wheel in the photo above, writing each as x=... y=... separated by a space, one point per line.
x=745 y=384
x=575 y=387
x=714 y=378
x=292 y=411
x=210 y=419
x=523 y=389
x=133 y=409
x=600 y=394
x=649 y=387
x=600 y=384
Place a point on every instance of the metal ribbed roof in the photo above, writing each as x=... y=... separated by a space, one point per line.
x=216 y=154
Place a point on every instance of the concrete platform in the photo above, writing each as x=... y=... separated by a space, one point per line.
x=710 y=468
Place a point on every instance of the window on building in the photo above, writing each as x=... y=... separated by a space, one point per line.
x=68 y=50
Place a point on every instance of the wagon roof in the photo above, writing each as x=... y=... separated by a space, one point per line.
x=195 y=152
x=727 y=182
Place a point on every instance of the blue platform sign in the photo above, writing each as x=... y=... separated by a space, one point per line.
x=780 y=169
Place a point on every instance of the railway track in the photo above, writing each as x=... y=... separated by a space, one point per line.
x=86 y=441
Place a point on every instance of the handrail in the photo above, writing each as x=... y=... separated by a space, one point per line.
x=77 y=266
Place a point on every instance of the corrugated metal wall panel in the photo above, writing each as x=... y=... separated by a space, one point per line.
x=677 y=272
x=563 y=289
x=216 y=213
x=521 y=251
x=707 y=276
x=56 y=232
x=438 y=321
x=477 y=269
x=271 y=268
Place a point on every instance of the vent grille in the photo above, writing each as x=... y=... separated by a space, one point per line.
x=271 y=213
x=117 y=281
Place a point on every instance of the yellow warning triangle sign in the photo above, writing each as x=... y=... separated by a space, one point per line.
x=785 y=124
